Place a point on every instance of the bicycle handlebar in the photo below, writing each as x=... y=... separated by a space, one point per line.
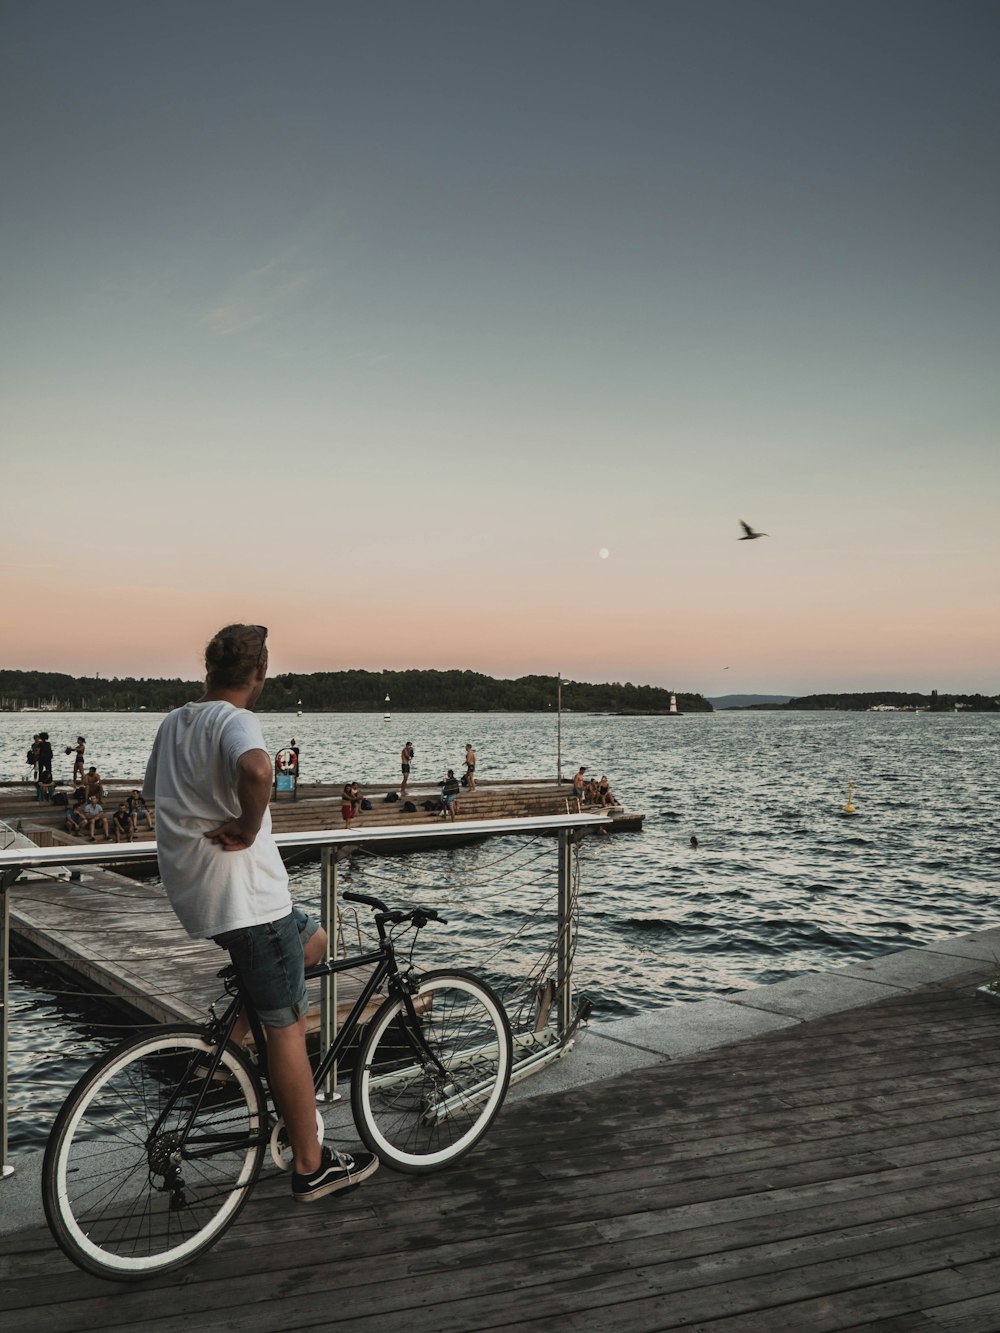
x=418 y=915
x=351 y=897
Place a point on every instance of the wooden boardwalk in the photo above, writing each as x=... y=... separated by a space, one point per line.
x=842 y=1174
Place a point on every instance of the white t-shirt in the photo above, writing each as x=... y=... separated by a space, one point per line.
x=192 y=775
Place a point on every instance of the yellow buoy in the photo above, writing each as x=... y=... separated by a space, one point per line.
x=849 y=807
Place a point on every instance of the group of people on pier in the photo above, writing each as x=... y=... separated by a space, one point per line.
x=588 y=791
x=87 y=815
x=352 y=802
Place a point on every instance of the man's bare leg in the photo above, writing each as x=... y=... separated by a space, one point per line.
x=292 y=1084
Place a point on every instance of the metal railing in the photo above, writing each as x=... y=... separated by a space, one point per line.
x=531 y=1050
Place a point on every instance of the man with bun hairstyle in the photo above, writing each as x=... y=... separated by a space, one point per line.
x=210 y=776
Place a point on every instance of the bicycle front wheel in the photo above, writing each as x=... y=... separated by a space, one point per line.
x=424 y=1094
x=135 y=1180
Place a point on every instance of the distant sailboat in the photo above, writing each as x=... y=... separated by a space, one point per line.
x=386 y=714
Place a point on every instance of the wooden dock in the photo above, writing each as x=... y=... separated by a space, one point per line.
x=840 y=1174
x=318 y=807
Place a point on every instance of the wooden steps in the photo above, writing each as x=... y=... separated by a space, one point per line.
x=318 y=807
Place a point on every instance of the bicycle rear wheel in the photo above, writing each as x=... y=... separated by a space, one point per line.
x=129 y=1190
x=423 y=1097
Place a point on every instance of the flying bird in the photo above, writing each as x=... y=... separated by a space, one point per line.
x=750 y=534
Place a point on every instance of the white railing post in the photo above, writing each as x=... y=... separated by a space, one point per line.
x=7 y=878
x=328 y=987
x=564 y=951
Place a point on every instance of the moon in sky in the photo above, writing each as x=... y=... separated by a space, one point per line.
x=604 y=553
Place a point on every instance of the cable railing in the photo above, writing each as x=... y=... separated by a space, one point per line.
x=505 y=896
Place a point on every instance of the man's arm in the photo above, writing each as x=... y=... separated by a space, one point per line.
x=253 y=791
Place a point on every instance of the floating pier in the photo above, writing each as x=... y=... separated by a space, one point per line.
x=316 y=807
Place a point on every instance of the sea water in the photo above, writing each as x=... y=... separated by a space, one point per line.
x=781 y=882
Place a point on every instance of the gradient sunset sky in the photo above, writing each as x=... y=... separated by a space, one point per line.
x=376 y=322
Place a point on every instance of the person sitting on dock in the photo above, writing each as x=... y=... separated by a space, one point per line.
x=76 y=820
x=405 y=760
x=210 y=776
x=94 y=814
x=604 y=796
x=93 y=784
x=121 y=822
x=590 y=792
x=450 y=789
x=138 y=809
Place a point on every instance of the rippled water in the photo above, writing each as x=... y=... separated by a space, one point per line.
x=782 y=881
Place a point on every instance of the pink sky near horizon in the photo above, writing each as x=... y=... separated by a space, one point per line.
x=762 y=650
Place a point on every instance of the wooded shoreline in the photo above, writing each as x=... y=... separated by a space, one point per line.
x=348 y=692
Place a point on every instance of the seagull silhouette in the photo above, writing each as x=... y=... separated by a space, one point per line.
x=750 y=534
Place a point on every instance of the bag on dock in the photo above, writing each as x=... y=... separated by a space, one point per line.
x=366 y=804
x=408 y=807
x=392 y=796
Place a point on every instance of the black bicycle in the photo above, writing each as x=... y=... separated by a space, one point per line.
x=159 y=1145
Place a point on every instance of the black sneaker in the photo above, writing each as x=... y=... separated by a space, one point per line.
x=338 y=1172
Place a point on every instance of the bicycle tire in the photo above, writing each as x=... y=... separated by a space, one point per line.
x=124 y=1204
x=414 y=1116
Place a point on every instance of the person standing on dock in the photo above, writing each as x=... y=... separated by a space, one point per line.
x=77 y=752
x=470 y=766
x=450 y=789
x=210 y=776
x=579 y=783
x=405 y=760
x=45 y=764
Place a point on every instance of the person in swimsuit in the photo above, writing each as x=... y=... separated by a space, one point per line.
x=470 y=766
x=350 y=802
x=93 y=784
x=77 y=752
x=405 y=759
x=579 y=782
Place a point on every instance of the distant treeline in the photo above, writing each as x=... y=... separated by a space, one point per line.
x=349 y=692
x=858 y=703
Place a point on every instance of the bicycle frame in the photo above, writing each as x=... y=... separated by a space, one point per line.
x=384 y=968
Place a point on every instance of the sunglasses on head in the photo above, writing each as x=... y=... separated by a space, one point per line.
x=262 y=631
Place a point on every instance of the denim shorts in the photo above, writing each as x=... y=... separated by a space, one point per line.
x=269 y=960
